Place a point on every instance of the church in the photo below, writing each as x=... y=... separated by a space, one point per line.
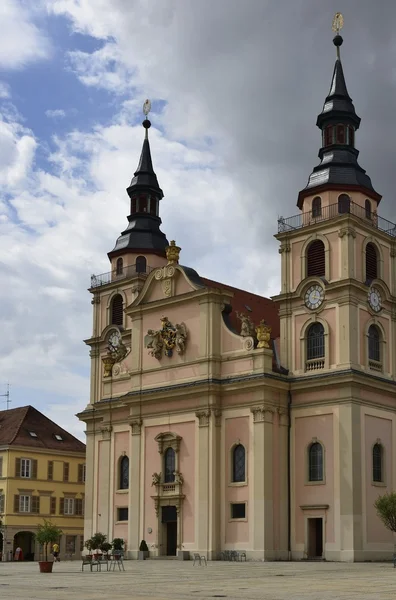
x=220 y=420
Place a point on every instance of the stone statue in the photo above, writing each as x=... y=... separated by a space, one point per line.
x=263 y=333
x=156 y=479
x=247 y=325
x=155 y=344
x=181 y=337
x=166 y=339
x=178 y=477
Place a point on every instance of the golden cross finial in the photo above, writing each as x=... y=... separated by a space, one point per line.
x=338 y=23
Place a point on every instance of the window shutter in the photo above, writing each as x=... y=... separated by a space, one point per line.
x=50 y=475
x=35 y=504
x=316 y=259
x=66 y=471
x=17 y=467
x=16 y=502
x=53 y=506
x=1 y=503
x=34 y=469
x=1 y=466
x=62 y=506
x=80 y=473
x=78 y=505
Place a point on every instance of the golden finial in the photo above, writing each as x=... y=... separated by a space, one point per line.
x=172 y=253
x=338 y=23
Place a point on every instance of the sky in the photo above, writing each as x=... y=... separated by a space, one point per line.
x=235 y=86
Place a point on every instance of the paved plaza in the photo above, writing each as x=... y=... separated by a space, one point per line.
x=165 y=580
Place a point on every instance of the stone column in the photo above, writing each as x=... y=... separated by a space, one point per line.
x=134 y=516
x=262 y=510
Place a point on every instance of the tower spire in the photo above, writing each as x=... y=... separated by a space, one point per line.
x=338 y=122
x=143 y=233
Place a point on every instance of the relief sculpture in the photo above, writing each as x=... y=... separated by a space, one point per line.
x=166 y=339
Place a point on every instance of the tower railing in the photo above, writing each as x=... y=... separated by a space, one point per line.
x=325 y=213
x=119 y=274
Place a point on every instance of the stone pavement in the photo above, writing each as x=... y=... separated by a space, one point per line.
x=165 y=580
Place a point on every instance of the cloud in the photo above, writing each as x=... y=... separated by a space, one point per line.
x=4 y=90
x=21 y=41
x=57 y=113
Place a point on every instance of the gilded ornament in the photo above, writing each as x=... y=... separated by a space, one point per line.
x=172 y=253
x=263 y=334
x=166 y=339
x=108 y=363
x=247 y=325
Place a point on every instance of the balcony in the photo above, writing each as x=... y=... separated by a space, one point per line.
x=119 y=275
x=326 y=213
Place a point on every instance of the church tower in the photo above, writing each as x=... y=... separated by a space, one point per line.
x=337 y=326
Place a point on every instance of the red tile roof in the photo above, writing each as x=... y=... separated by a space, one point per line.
x=17 y=423
x=260 y=307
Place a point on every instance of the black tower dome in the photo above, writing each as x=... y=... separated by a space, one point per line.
x=338 y=121
x=143 y=234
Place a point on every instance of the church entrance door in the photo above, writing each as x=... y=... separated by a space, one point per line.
x=315 y=538
x=169 y=524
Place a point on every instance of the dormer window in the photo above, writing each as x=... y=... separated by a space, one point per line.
x=32 y=434
x=58 y=437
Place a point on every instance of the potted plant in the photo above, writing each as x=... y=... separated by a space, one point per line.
x=118 y=547
x=143 y=551
x=89 y=546
x=97 y=540
x=105 y=547
x=47 y=534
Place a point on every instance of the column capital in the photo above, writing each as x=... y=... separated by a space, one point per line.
x=262 y=414
x=106 y=430
x=203 y=417
x=217 y=415
x=136 y=426
x=283 y=416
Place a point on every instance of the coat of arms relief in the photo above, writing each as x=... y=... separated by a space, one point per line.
x=167 y=339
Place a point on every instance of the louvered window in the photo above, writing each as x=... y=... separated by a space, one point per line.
x=344 y=204
x=117 y=312
x=50 y=470
x=66 y=471
x=316 y=207
x=238 y=463
x=374 y=344
x=315 y=462
x=141 y=264
x=119 y=266
x=371 y=262
x=315 y=342
x=367 y=207
x=377 y=462
x=316 y=259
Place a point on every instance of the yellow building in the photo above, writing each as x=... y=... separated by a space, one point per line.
x=42 y=475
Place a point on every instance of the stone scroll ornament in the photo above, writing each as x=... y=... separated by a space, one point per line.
x=167 y=339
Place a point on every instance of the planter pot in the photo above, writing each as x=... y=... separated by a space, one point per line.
x=45 y=566
x=143 y=554
x=183 y=555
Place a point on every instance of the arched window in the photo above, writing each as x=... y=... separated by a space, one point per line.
x=170 y=465
x=371 y=262
x=119 y=266
x=316 y=264
x=367 y=208
x=141 y=264
x=124 y=473
x=316 y=207
x=315 y=462
x=344 y=204
x=238 y=463
x=374 y=344
x=315 y=341
x=377 y=462
x=117 y=311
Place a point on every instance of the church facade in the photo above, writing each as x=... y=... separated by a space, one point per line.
x=221 y=420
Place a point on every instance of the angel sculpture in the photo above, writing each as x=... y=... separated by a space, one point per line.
x=156 y=479
x=156 y=343
x=181 y=337
x=178 y=477
x=247 y=325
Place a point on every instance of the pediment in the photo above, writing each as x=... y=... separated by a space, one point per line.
x=167 y=282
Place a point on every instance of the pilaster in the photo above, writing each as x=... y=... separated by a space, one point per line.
x=134 y=511
x=262 y=513
x=283 y=421
x=103 y=470
x=90 y=484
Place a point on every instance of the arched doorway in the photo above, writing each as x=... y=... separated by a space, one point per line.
x=25 y=540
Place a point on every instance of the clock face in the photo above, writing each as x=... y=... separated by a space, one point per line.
x=314 y=296
x=114 y=339
x=374 y=299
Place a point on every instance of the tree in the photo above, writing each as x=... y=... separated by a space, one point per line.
x=47 y=533
x=386 y=510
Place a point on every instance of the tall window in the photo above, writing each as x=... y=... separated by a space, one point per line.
x=315 y=341
x=316 y=207
x=68 y=507
x=24 y=503
x=133 y=205
x=351 y=135
x=344 y=204
x=141 y=264
x=143 y=204
x=170 y=465
x=117 y=311
x=316 y=264
x=153 y=206
x=374 y=343
x=371 y=262
x=315 y=462
x=124 y=473
x=238 y=463
x=328 y=135
x=367 y=208
x=119 y=266
x=377 y=462
x=340 y=134
x=26 y=467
